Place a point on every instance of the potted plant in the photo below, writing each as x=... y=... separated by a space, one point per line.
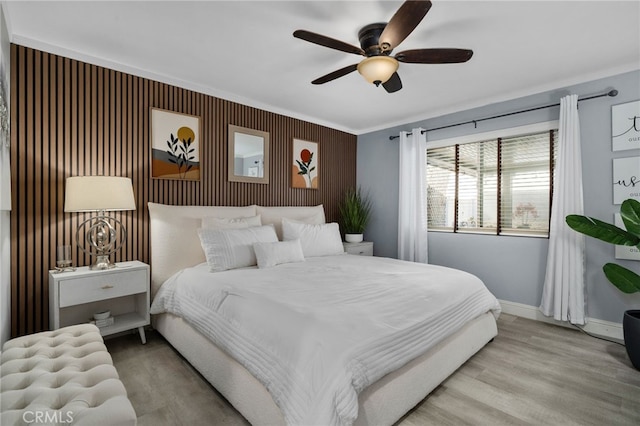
x=355 y=211
x=624 y=279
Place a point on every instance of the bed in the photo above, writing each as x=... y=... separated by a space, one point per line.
x=213 y=318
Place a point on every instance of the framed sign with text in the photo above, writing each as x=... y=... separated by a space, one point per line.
x=625 y=252
x=625 y=126
x=626 y=179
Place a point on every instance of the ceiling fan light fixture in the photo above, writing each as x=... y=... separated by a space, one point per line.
x=378 y=69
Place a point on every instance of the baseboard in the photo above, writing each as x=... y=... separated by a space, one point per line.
x=607 y=329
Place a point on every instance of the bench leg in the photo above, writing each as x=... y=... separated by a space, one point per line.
x=142 y=336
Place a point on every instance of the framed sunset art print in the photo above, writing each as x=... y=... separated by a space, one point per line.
x=175 y=145
x=305 y=166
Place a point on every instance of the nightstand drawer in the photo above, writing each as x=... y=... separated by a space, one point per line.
x=74 y=291
x=364 y=248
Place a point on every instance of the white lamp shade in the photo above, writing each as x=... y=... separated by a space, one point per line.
x=96 y=193
x=378 y=68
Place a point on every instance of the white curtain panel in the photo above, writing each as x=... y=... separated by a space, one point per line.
x=563 y=295
x=412 y=199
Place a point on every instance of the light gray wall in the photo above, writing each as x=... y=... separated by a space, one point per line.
x=5 y=272
x=513 y=268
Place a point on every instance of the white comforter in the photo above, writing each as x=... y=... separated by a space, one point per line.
x=316 y=333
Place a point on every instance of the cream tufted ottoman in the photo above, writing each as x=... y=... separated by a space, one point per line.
x=63 y=377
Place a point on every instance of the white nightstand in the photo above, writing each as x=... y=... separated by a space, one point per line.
x=364 y=248
x=124 y=290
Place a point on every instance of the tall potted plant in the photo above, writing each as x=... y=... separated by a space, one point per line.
x=355 y=212
x=624 y=279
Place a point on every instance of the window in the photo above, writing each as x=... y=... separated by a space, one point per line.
x=499 y=186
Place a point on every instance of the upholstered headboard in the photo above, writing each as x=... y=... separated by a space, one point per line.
x=174 y=238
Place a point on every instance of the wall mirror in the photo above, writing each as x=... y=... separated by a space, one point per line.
x=248 y=155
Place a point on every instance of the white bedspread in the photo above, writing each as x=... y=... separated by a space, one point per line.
x=316 y=333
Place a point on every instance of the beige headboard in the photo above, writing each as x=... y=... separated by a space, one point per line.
x=174 y=238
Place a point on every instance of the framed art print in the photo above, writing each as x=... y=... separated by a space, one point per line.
x=305 y=167
x=626 y=179
x=175 y=145
x=625 y=126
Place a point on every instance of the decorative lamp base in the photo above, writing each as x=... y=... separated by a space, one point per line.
x=102 y=262
x=103 y=236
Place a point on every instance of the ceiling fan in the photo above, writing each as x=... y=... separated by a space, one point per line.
x=378 y=40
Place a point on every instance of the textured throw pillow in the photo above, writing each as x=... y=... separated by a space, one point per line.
x=233 y=248
x=316 y=240
x=274 y=215
x=231 y=223
x=272 y=254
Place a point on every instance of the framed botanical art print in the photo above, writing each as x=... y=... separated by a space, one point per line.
x=625 y=126
x=175 y=145
x=305 y=166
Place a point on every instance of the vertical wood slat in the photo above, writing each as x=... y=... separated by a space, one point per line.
x=69 y=118
x=30 y=195
x=37 y=177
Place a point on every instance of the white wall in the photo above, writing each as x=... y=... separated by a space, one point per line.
x=513 y=268
x=5 y=273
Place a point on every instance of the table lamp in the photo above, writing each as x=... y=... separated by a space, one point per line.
x=103 y=235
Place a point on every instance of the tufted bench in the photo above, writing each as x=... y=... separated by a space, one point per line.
x=60 y=377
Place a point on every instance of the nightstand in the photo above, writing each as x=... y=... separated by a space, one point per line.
x=124 y=290
x=364 y=248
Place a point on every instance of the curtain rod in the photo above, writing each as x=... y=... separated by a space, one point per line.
x=610 y=93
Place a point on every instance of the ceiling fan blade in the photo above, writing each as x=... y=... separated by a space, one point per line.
x=327 y=42
x=393 y=84
x=336 y=74
x=434 y=56
x=402 y=23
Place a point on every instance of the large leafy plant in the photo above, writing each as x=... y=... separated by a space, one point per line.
x=624 y=279
x=355 y=211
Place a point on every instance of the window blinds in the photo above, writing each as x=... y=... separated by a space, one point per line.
x=500 y=186
x=441 y=187
x=526 y=175
x=477 y=186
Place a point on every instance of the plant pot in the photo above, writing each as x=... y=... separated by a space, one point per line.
x=353 y=238
x=631 y=330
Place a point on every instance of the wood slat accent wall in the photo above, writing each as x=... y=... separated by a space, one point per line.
x=71 y=118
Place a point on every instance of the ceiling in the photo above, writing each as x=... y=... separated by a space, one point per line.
x=244 y=51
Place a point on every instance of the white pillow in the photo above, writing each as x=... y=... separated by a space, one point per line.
x=316 y=240
x=231 y=223
x=274 y=215
x=272 y=254
x=173 y=231
x=233 y=248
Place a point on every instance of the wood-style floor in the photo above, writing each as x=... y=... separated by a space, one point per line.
x=531 y=374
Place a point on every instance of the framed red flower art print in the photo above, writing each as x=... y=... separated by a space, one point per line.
x=305 y=166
